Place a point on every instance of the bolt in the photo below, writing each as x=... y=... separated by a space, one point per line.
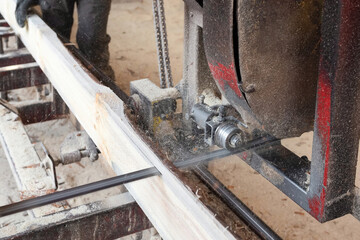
x=221 y=111
x=202 y=99
x=93 y=157
x=235 y=140
x=40 y=185
x=250 y=88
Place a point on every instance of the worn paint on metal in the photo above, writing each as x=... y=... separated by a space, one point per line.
x=323 y=119
x=226 y=74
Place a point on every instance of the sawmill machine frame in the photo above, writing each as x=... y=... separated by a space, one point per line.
x=260 y=69
x=324 y=186
x=286 y=68
x=254 y=73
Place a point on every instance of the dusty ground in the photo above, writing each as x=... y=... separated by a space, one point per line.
x=133 y=52
x=133 y=56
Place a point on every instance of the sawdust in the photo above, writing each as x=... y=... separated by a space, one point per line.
x=133 y=48
x=270 y=173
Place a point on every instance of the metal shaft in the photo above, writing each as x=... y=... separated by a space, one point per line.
x=239 y=208
x=77 y=191
x=122 y=179
x=224 y=152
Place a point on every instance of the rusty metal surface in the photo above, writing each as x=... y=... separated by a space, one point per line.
x=39 y=112
x=42 y=110
x=91 y=221
x=21 y=77
x=16 y=57
x=279 y=55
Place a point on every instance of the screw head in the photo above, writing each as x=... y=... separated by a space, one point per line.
x=235 y=140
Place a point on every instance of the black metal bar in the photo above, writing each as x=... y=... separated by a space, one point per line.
x=288 y=172
x=224 y=153
x=239 y=208
x=126 y=178
x=77 y=191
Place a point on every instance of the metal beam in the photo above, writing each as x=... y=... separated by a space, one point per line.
x=115 y=217
x=21 y=75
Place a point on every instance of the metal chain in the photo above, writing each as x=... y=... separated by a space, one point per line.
x=169 y=80
x=162 y=44
x=158 y=44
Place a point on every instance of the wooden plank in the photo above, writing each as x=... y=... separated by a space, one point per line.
x=31 y=178
x=174 y=211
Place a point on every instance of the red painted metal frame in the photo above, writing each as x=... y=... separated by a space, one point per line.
x=336 y=135
x=330 y=193
x=220 y=42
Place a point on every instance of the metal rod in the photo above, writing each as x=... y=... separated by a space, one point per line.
x=224 y=152
x=77 y=191
x=239 y=208
x=122 y=179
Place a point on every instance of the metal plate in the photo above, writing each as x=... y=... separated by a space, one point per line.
x=279 y=56
x=220 y=48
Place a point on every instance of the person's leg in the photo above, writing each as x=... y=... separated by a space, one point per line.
x=58 y=14
x=92 y=37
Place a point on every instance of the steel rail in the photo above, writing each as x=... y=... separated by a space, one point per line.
x=239 y=208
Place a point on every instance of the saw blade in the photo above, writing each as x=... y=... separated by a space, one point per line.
x=125 y=178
